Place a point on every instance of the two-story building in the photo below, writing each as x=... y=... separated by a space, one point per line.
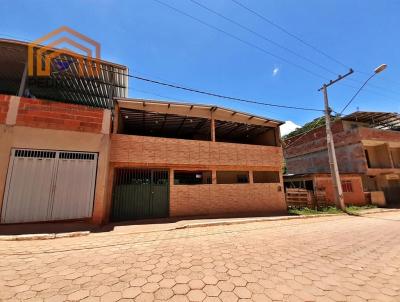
x=367 y=147
x=74 y=147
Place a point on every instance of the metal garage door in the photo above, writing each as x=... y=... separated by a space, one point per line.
x=45 y=185
x=140 y=193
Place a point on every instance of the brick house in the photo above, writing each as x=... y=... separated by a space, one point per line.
x=85 y=151
x=161 y=159
x=367 y=146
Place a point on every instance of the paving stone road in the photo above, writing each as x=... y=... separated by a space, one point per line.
x=340 y=258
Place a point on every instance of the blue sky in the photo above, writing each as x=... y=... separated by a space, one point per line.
x=157 y=42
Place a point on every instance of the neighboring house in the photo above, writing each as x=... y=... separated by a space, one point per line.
x=367 y=146
x=99 y=156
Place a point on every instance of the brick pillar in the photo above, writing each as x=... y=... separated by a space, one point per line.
x=213 y=177
x=171 y=177
x=251 y=179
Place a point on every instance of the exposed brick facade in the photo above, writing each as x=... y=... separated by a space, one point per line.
x=356 y=197
x=4 y=103
x=218 y=199
x=55 y=115
x=212 y=199
x=176 y=152
x=308 y=154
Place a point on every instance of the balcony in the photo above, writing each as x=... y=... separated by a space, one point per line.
x=159 y=151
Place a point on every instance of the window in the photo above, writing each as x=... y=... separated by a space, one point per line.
x=192 y=177
x=232 y=177
x=347 y=186
x=266 y=177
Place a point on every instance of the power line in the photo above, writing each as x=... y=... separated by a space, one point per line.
x=358 y=91
x=262 y=37
x=253 y=45
x=290 y=34
x=241 y=40
x=223 y=96
x=314 y=126
x=181 y=86
x=281 y=28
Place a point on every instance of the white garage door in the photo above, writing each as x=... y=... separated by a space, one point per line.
x=45 y=185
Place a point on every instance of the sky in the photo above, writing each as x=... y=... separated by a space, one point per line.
x=157 y=42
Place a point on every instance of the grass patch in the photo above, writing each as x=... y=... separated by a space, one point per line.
x=308 y=211
x=327 y=210
x=356 y=209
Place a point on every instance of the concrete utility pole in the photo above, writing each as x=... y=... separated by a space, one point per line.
x=337 y=185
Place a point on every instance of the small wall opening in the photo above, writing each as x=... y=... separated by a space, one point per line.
x=266 y=177
x=347 y=186
x=240 y=133
x=232 y=177
x=192 y=177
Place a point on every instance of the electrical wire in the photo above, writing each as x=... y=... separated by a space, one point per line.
x=223 y=96
x=318 y=50
x=241 y=40
x=250 y=44
x=262 y=36
x=358 y=91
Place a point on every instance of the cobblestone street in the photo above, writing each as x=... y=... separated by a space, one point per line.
x=338 y=258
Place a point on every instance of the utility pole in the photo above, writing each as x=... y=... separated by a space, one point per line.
x=337 y=185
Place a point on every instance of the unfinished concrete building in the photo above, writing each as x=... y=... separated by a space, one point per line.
x=367 y=146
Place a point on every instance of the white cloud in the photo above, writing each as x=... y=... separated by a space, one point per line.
x=275 y=71
x=288 y=127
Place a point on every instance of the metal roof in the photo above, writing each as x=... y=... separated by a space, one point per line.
x=110 y=80
x=379 y=120
x=248 y=117
x=143 y=122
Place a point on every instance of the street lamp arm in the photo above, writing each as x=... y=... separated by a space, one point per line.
x=358 y=91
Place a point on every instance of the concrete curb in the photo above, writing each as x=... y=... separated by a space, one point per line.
x=250 y=220
x=244 y=221
x=188 y=226
x=43 y=236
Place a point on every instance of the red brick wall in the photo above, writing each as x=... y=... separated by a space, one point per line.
x=217 y=199
x=56 y=115
x=315 y=134
x=166 y=151
x=351 y=198
x=4 y=101
x=381 y=135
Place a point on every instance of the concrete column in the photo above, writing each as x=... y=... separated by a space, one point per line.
x=116 y=120
x=390 y=155
x=212 y=129
x=106 y=124
x=11 y=118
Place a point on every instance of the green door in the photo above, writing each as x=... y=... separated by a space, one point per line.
x=140 y=193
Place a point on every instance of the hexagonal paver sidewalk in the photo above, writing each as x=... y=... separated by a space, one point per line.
x=339 y=258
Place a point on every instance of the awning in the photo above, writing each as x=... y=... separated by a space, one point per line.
x=110 y=81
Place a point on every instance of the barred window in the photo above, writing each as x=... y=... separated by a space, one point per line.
x=347 y=186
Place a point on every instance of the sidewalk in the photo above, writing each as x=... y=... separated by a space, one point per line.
x=75 y=229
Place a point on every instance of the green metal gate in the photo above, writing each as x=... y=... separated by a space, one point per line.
x=140 y=193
